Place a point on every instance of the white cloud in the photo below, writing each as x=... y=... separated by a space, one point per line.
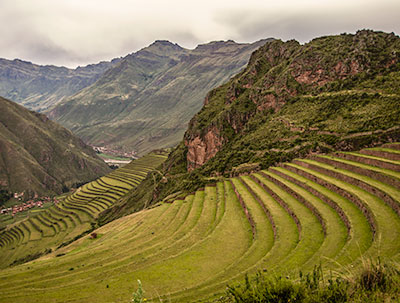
x=71 y=32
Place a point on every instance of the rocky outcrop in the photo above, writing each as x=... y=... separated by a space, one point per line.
x=202 y=148
x=278 y=73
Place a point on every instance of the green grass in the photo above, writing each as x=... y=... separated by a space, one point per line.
x=360 y=235
x=374 y=157
x=336 y=233
x=311 y=236
x=191 y=249
x=388 y=224
x=78 y=211
x=367 y=167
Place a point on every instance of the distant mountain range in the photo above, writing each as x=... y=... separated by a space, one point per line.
x=40 y=87
x=140 y=102
x=38 y=156
x=146 y=100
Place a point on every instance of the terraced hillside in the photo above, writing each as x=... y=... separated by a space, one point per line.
x=332 y=209
x=66 y=221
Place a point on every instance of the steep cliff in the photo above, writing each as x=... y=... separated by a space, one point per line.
x=296 y=98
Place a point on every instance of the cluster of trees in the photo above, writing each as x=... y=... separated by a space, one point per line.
x=5 y=195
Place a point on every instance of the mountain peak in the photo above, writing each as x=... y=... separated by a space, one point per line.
x=162 y=48
x=162 y=44
x=215 y=45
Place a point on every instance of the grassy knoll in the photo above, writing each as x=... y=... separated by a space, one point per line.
x=324 y=216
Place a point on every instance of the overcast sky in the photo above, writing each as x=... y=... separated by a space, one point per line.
x=79 y=32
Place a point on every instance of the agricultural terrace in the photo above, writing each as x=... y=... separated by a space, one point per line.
x=332 y=210
x=66 y=221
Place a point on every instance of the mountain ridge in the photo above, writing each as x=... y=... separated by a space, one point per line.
x=39 y=87
x=147 y=98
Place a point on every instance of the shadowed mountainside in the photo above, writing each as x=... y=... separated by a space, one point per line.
x=38 y=156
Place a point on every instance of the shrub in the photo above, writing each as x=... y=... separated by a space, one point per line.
x=137 y=297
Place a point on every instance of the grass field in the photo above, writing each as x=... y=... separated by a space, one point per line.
x=335 y=210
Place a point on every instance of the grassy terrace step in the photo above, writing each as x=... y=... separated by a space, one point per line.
x=113 y=234
x=49 y=222
x=126 y=176
x=74 y=255
x=88 y=202
x=124 y=181
x=385 y=192
x=262 y=239
x=387 y=153
x=388 y=223
x=362 y=222
x=311 y=235
x=227 y=223
x=86 y=208
x=93 y=195
x=335 y=230
x=27 y=231
x=194 y=215
x=392 y=145
x=381 y=174
x=103 y=183
x=105 y=191
x=359 y=233
x=370 y=161
x=62 y=223
x=48 y=230
x=326 y=210
x=36 y=232
x=65 y=222
x=129 y=173
x=82 y=212
x=58 y=211
x=96 y=186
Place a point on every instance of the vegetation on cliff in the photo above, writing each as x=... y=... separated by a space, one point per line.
x=333 y=93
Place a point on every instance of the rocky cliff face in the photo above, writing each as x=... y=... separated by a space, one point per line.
x=279 y=73
x=202 y=148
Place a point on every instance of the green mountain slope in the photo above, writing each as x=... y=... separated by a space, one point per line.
x=147 y=99
x=39 y=87
x=333 y=93
x=38 y=156
x=295 y=99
